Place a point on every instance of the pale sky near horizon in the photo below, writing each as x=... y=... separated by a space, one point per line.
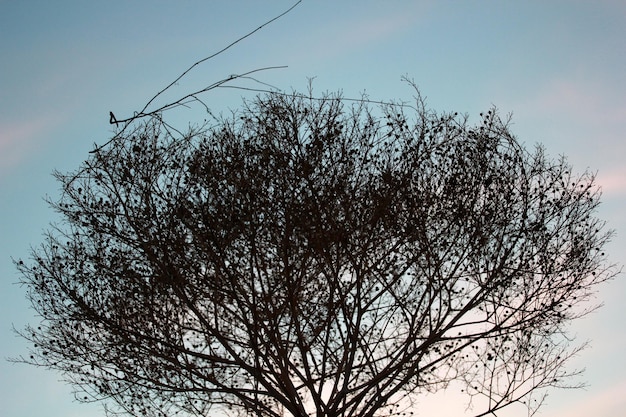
x=559 y=67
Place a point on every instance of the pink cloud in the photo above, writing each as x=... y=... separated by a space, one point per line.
x=590 y=101
x=613 y=183
x=359 y=32
x=17 y=139
x=607 y=403
x=582 y=118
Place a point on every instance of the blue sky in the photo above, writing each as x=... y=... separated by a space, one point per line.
x=558 y=66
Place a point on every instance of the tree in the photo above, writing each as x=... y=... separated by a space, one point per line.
x=315 y=256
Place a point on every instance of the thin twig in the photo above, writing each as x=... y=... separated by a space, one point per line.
x=143 y=113
x=298 y=95
x=216 y=54
x=181 y=101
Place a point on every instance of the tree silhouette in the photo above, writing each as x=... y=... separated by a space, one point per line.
x=314 y=256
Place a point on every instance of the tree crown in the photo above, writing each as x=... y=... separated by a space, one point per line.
x=313 y=257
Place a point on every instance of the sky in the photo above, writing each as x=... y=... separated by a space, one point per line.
x=558 y=67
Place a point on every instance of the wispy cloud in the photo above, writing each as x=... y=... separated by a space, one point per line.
x=609 y=402
x=582 y=118
x=353 y=31
x=17 y=139
x=587 y=100
x=613 y=183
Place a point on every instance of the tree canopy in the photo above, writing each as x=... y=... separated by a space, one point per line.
x=315 y=257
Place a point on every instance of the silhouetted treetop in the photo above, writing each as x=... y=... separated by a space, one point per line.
x=316 y=257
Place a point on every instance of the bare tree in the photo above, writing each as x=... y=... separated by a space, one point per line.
x=315 y=257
